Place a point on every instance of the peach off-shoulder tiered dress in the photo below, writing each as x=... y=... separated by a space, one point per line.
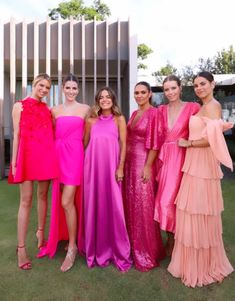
x=199 y=257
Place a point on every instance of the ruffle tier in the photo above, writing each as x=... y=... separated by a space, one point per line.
x=198 y=267
x=200 y=196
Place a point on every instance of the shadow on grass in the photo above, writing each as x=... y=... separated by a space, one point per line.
x=46 y=282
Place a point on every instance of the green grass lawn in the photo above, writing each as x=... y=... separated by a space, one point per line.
x=46 y=282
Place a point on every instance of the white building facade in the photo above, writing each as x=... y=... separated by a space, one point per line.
x=99 y=53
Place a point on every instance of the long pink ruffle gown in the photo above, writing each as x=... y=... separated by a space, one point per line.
x=199 y=257
x=170 y=162
x=36 y=160
x=144 y=232
x=69 y=147
x=106 y=238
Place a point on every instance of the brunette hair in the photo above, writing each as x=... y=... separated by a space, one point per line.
x=96 y=109
x=206 y=74
x=70 y=77
x=147 y=85
x=39 y=77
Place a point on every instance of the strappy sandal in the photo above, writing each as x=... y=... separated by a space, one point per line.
x=69 y=259
x=26 y=265
x=39 y=235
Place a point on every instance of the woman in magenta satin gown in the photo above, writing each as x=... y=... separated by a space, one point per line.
x=66 y=211
x=33 y=159
x=106 y=238
x=173 y=125
x=139 y=182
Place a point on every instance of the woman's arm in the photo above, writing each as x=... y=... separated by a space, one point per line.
x=86 y=137
x=147 y=171
x=122 y=141
x=193 y=143
x=16 y=113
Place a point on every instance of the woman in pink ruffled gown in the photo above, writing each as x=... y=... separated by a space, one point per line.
x=139 y=182
x=66 y=209
x=33 y=159
x=198 y=256
x=106 y=238
x=172 y=125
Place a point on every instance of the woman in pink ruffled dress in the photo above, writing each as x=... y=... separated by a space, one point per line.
x=139 y=182
x=33 y=159
x=172 y=124
x=198 y=256
x=66 y=209
x=106 y=238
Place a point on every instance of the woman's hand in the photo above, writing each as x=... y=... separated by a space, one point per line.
x=119 y=174
x=184 y=143
x=146 y=173
x=13 y=170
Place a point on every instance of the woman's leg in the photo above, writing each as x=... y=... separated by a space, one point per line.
x=42 y=196
x=26 y=194
x=68 y=196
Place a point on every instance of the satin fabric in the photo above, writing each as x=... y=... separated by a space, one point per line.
x=106 y=238
x=170 y=162
x=69 y=147
x=199 y=256
x=144 y=232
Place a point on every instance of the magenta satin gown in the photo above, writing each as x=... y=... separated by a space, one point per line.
x=170 y=162
x=144 y=232
x=69 y=147
x=106 y=238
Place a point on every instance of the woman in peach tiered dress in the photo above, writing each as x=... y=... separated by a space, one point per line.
x=199 y=257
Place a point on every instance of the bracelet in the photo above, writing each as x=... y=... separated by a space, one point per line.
x=191 y=143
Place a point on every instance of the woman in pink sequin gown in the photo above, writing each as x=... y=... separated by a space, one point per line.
x=199 y=257
x=106 y=238
x=66 y=210
x=33 y=159
x=172 y=125
x=139 y=182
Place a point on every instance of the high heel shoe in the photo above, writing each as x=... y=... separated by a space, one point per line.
x=40 y=238
x=69 y=259
x=25 y=265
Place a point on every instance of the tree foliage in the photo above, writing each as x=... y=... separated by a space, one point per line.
x=224 y=61
x=76 y=9
x=142 y=52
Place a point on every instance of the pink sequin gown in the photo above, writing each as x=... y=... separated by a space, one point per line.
x=36 y=158
x=199 y=257
x=170 y=162
x=106 y=238
x=69 y=147
x=144 y=232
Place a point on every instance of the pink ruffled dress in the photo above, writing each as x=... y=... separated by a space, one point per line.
x=36 y=156
x=199 y=257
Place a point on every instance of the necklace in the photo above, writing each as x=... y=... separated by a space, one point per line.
x=206 y=102
x=70 y=106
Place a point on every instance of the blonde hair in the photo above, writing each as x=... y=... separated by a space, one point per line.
x=39 y=77
x=96 y=109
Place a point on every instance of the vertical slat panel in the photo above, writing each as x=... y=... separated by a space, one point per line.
x=118 y=63
x=60 y=59
x=36 y=49
x=48 y=46
x=95 y=56
x=12 y=72
x=71 y=45
x=83 y=62
x=24 y=59
x=48 y=53
x=2 y=158
x=107 y=53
